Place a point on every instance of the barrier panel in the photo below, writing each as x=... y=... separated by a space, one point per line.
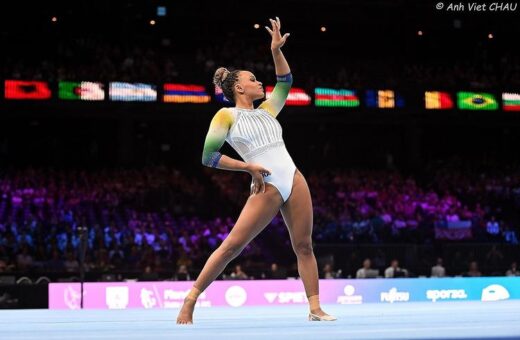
x=170 y=294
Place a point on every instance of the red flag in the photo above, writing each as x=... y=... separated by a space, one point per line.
x=21 y=89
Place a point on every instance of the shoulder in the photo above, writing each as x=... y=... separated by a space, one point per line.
x=224 y=116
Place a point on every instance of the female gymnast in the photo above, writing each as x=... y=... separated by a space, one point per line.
x=277 y=185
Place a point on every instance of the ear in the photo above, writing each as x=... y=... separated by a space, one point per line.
x=239 y=88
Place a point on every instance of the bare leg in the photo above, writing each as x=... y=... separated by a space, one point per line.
x=257 y=213
x=297 y=214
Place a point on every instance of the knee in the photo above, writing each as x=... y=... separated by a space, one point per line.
x=303 y=248
x=231 y=250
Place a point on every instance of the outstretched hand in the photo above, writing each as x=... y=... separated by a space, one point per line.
x=277 y=40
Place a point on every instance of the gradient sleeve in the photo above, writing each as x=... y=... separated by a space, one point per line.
x=216 y=137
x=275 y=103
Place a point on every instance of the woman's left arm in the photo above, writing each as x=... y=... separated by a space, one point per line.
x=275 y=103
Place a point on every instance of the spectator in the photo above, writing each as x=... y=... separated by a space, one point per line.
x=366 y=271
x=473 y=270
x=182 y=274
x=276 y=272
x=328 y=272
x=395 y=271
x=438 y=270
x=513 y=271
x=149 y=274
x=510 y=236
x=493 y=227
x=238 y=274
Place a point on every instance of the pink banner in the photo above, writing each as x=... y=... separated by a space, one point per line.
x=121 y=295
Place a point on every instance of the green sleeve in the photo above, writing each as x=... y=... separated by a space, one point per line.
x=216 y=137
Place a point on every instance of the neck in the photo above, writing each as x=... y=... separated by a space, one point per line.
x=244 y=103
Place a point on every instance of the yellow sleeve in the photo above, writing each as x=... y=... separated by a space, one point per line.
x=216 y=136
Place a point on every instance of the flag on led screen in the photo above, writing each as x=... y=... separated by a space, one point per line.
x=332 y=97
x=84 y=90
x=132 y=92
x=476 y=101
x=181 y=93
x=20 y=89
x=296 y=97
x=437 y=100
x=511 y=101
x=219 y=95
x=383 y=99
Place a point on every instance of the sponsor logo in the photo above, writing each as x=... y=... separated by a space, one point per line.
x=148 y=299
x=236 y=296
x=72 y=298
x=495 y=293
x=285 y=297
x=446 y=294
x=349 y=298
x=116 y=297
x=394 y=296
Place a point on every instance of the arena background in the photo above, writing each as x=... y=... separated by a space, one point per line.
x=125 y=158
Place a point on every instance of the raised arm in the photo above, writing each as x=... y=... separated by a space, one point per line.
x=275 y=103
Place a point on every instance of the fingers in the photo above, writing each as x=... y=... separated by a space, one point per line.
x=279 y=23
x=265 y=172
x=257 y=187
x=275 y=25
x=269 y=30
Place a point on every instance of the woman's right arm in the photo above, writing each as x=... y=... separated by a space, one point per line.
x=215 y=138
x=211 y=156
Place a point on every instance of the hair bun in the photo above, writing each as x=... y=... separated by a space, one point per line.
x=220 y=75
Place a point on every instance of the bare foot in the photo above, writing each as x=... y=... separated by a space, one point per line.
x=185 y=316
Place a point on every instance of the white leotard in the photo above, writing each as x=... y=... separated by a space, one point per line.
x=257 y=137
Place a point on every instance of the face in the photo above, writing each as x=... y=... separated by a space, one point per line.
x=247 y=85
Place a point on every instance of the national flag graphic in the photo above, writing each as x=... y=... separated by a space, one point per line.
x=22 y=89
x=296 y=97
x=511 y=101
x=333 y=97
x=132 y=92
x=84 y=90
x=476 y=101
x=383 y=99
x=184 y=93
x=219 y=95
x=437 y=100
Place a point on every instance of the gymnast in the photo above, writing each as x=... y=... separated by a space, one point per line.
x=277 y=185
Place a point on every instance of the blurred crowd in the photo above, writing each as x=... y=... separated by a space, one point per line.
x=166 y=61
x=160 y=218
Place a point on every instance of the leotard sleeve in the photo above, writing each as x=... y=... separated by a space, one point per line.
x=216 y=136
x=275 y=103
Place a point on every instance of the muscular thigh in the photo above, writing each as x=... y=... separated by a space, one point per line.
x=297 y=211
x=257 y=213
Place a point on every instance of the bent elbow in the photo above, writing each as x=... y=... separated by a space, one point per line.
x=211 y=160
